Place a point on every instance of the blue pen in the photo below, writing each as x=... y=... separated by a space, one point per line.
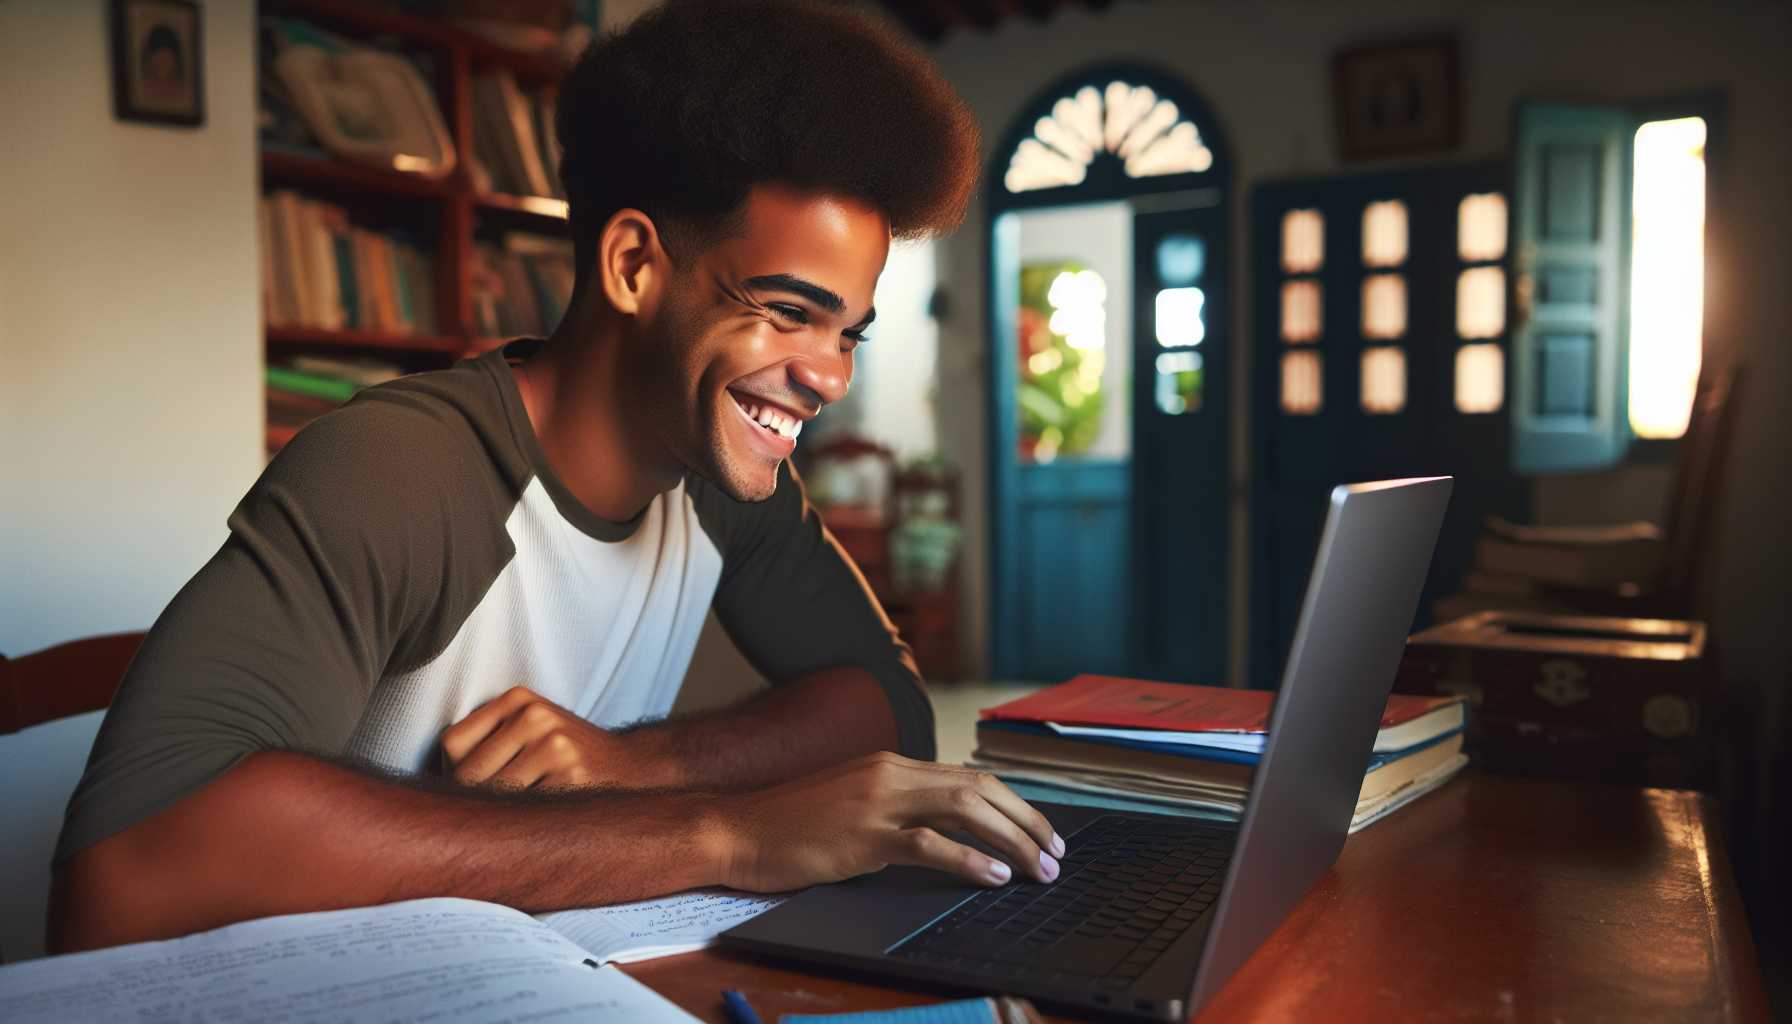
x=739 y=1010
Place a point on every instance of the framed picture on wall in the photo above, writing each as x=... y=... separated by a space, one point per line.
x=1397 y=98
x=157 y=62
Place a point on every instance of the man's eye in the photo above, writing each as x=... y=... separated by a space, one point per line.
x=795 y=314
x=856 y=337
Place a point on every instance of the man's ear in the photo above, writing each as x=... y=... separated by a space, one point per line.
x=632 y=265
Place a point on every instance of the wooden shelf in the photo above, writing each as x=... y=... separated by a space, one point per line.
x=534 y=206
x=359 y=19
x=294 y=169
x=384 y=341
x=449 y=213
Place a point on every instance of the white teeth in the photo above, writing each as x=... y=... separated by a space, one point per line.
x=779 y=423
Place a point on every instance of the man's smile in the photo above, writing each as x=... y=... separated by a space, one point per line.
x=773 y=426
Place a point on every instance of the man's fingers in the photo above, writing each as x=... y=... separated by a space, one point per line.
x=964 y=806
x=923 y=847
x=546 y=763
x=496 y=751
x=1020 y=812
x=459 y=739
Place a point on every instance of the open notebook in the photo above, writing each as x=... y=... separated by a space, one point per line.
x=418 y=960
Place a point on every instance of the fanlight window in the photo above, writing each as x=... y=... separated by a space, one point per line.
x=1147 y=132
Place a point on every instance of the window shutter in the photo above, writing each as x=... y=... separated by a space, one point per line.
x=1572 y=224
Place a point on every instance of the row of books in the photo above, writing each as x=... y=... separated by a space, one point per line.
x=1196 y=747
x=320 y=270
x=514 y=147
x=521 y=286
x=305 y=387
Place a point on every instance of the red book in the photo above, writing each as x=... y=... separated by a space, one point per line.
x=1114 y=703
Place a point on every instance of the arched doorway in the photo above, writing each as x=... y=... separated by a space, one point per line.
x=1107 y=281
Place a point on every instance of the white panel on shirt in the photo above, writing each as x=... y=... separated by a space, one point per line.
x=605 y=629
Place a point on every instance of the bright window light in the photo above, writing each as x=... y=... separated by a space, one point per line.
x=1179 y=317
x=1667 y=275
x=1078 y=311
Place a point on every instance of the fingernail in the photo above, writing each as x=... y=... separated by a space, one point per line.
x=1057 y=845
x=1047 y=866
x=999 y=872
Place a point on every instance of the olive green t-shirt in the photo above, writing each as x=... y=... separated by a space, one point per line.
x=411 y=556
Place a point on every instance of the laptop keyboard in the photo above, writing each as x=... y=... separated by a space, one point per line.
x=1127 y=889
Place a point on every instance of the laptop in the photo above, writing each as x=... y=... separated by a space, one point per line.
x=1151 y=914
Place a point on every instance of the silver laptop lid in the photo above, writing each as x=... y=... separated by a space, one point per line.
x=1371 y=566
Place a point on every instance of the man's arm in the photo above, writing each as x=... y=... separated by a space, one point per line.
x=284 y=833
x=520 y=740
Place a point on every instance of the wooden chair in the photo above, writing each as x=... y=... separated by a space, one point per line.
x=68 y=679
x=1677 y=585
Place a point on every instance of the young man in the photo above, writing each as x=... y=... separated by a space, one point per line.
x=491 y=569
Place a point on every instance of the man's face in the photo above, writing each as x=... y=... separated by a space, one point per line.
x=757 y=331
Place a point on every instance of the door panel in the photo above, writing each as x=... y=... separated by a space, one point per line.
x=1180 y=404
x=1447 y=421
x=1074 y=535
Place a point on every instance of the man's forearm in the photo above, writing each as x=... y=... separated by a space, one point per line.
x=283 y=833
x=791 y=730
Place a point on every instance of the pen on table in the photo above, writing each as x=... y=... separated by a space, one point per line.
x=739 y=1010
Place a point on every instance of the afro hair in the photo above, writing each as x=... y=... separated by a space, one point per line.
x=697 y=101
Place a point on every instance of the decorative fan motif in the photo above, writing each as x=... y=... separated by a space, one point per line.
x=1132 y=122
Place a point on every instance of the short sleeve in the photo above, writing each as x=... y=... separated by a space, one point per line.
x=333 y=562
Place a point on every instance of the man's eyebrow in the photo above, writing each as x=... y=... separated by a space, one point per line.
x=815 y=293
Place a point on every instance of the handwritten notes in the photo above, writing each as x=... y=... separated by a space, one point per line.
x=420 y=960
x=628 y=932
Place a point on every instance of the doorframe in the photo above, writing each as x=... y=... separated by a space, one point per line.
x=1106 y=181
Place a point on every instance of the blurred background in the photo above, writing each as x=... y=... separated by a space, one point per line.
x=1225 y=255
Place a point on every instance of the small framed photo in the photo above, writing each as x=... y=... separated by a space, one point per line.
x=157 y=62
x=1398 y=98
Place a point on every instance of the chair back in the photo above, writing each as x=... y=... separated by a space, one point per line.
x=68 y=679
x=1697 y=488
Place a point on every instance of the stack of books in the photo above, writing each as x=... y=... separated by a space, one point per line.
x=522 y=286
x=1197 y=746
x=309 y=386
x=320 y=271
x=514 y=147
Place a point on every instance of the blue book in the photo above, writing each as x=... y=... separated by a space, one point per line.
x=1190 y=751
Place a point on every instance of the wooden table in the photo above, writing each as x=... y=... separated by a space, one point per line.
x=1494 y=898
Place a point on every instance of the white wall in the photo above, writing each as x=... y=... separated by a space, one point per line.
x=1265 y=69
x=130 y=334
x=130 y=363
x=895 y=373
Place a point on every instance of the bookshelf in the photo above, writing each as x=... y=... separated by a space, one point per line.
x=451 y=214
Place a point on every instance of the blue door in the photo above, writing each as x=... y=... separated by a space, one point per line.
x=1107 y=431
x=1381 y=312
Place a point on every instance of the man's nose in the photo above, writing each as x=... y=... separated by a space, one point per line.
x=823 y=377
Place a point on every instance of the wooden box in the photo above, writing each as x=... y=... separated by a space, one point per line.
x=1598 y=699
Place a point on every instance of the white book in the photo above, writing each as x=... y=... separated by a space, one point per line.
x=321 y=252
x=289 y=230
x=433 y=959
x=272 y=310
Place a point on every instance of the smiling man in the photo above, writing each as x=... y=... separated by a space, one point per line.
x=488 y=575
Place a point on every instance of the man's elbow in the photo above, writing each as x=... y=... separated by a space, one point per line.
x=97 y=899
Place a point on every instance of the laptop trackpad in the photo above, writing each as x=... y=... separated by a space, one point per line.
x=864 y=916
x=867 y=915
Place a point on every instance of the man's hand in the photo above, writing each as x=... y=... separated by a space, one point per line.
x=877 y=810
x=520 y=740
